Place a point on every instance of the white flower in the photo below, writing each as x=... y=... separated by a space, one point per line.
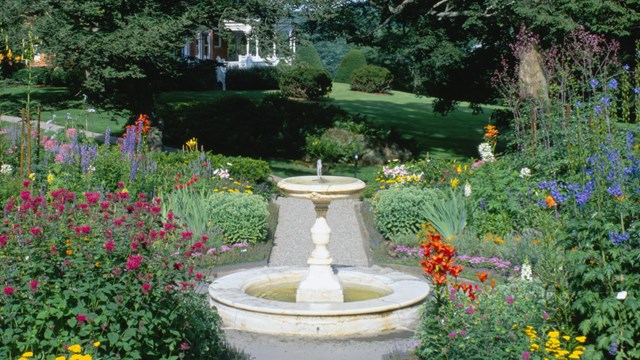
x=525 y=172
x=621 y=295
x=221 y=173
x=91 y=110
x=467 y=189
x=525 y=272
x=6 y=169
x=486 y=153
x=91 y=169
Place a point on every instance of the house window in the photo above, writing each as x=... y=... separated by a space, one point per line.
x=206 y=53
x=217 y=40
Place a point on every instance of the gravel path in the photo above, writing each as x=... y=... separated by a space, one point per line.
x=292 y=241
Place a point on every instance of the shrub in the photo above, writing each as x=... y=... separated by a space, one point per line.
x=334 y=145
x=39 y=76
x=371 y=79
x=103 y=272
x=307 y=55
x=305 y=83
x=400 y=211
x=354 y=60
x=242 y=217
x=255 y=78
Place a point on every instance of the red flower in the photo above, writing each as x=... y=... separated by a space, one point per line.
x=8 y=290
x=145 y=288
x=33 y=284
x=134 y=262
x=109 y=245
x=482 y=276
x=81 y=318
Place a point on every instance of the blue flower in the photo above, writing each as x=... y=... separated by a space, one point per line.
x=597 y=109
x=613 y=84
x=594 y=83
x=583 y=196
x=606 y=101
x=617 y=238
x=636 y=90
x=613 y=348
x=625 y=67
x=615 y=190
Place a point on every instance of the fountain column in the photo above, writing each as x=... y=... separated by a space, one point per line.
x=320 y=284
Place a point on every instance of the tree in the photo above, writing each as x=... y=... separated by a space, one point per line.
x=354 y=60
x=450 y=48
x=308 y=54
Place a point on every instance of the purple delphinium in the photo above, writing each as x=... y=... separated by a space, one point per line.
x=613 y=348
x=583 y=196
x=625 y=67
x=615 y=190
x=134 y=170
x=597 y=109
x=605 y=101
x=594 y=83
x=629 y=140
x=617 y=238
x=107 y=136
x=613 y=84
x=129 y=144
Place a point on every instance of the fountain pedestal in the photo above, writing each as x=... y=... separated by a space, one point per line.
x=320 y=284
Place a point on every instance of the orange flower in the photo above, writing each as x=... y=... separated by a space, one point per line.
x=482 y=276
x=550 y=201
x=493 y=283
x=490 y=131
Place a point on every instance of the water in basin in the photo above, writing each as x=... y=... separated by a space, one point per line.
x=286 y=291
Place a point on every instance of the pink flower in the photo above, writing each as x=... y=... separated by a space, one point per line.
x=8 y=290
x=452 y=334
x=81 y=318
x=109 y=245
x=33 y=284
x=469 y=310
x=199 y=276
x=462 y=332
x=526 y=355
x=145 y=288
x=134 y=262
x=177 y=266
x=71 y=132
x=3 y=240
x=545 y=315
x=186 y=235
x=510 y=300
x=58 y=159
x=184 y=346
x=120 y=185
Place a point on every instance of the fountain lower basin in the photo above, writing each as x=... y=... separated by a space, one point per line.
x=396 y=308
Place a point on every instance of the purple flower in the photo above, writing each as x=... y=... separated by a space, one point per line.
x=613 y=84
x=629 y=140
x=462 y=332
x=594 y=83
x=625 y=67
x=615 y=190
x=469 y=310
x=526 y=355
x=597 y=109
x=617 y=238
x=452 y=334
x=605 y=101
x=613 y=348
x=510 y=300
x=578 y=103
x=545 y=315
x=636 y=90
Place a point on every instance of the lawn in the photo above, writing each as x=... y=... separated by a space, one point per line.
x=455 y=135
x=59 y=105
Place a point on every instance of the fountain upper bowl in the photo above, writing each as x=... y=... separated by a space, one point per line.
x=323 y=188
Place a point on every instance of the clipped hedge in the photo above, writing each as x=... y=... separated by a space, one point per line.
x=354 y=60
x=400 y=211
x=371 y=79
x=242 y=217
x=305 y=83
x=308 y=55
x=256 y=78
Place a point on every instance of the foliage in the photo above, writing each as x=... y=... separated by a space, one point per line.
x=255 y=78
x=352 y=61
x=305 y=82
x=307 y=55
x=447 y=213
x=334 y=145
x=242 y=217
x=399 y=211
x=103 y=272
x=371 y=79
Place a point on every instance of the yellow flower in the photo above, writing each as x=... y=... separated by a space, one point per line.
x=69 y=252
x=32 y=176
x=27 y=354
x=192 y=144
x=60 y=358
x=454 y=182
x=80 y=357
x=534 y=347
x=75 y=348
x=50 y=178
x=124 y=190
x=567 y=337
x=554 y=334
x=96 y=344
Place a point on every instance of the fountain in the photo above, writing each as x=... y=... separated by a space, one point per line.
x=317 y=300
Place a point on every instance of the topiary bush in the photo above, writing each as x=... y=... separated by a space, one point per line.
x=305 y=83
x=371 y=79
x=242 y=217
x=400 y=211
x=354 y=60
x=307 y=55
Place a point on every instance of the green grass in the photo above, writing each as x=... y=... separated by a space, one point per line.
x=206 y=96
x=60 y=102
x=454 y=136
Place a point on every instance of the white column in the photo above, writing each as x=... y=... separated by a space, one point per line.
x=248 y=44
x=274 y=49
x=257 y=47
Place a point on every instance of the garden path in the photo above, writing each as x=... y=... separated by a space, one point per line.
x=292 y=241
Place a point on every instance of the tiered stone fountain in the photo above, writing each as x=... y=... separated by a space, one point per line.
x=317 y=300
